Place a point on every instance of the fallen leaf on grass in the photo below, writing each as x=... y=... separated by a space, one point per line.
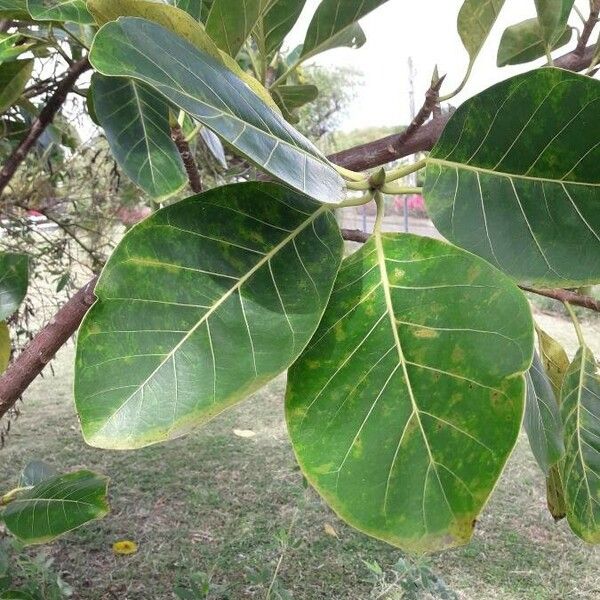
x=244 y=433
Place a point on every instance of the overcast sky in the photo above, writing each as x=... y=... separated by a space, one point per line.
x=425 y=30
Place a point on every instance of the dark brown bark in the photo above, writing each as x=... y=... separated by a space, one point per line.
x=187 y=157
x=588 y=28
x=566 y=296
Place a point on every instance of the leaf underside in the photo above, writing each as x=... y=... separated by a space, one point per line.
x=408 y=401
x=14 y=273
x=199 y=306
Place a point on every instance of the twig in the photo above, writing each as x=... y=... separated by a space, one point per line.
x=588 y=28
x=566 y=296
x=189 y=163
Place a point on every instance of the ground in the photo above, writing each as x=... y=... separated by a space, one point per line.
x=219 y=503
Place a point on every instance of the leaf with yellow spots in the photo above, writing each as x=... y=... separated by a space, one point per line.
x=407 y=423
x=125 y=547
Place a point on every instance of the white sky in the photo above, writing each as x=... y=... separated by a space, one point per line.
x=425 y=30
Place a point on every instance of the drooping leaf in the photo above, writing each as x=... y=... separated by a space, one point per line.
x=555 y=360
x=200 y=305
x=56 y=506
x=192 y=7
x=555 y=495
x=5 y=346
x=523 y=42
x=278 y=20
x=408 y=401
x=230 y=22
x=14 y=9
x=580 y=469
x=199 y=85
x=36 y=472
x=60 y=10
x=553 y=16
x=514 y=178
x=335 y=24
x=180 y=23
x=542 y=419
x=475 y=21
x=14 y=275
x=14 y=76
x=214 y=145
x=135 y=120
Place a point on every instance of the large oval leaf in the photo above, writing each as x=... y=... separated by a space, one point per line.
x=60 y=10
x=14 y=275
x=56 y=506
x=542 y=419
x=135 y=120
x=278 y=20
x=199 y=306
x=553 y=16
x=580 y=470
x=475 y=21
x=408 y=401
x=202 y=87
x=515 y=178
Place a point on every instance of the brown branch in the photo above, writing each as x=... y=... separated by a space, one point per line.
x=44 y=119
x=588 y=28
x=42 y=348
x=187 y=156
x=566 y=296
x=46 y=343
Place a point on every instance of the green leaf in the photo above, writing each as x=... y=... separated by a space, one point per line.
x=230 y=22
x=514 y=178
x=10 y=49
x=553 y=16
x=199 y=306
x=408 y=401
x=555 y=360
x=74 y=11
x=202 y=87
x=296 y=96
x=135 y=120
x=475 y=21
x=555 y=495
x=523 y=42
x=192 y=7
x=14 y=275
x=542 y=419
x=14 y=76
x=5 y=346
x=580 y=469
x=14 y=9
x=335 y=24
x=214 y=145
x=36 y=472
x=277 y=21
x=56 y=506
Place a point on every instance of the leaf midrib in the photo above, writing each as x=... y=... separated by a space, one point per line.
x=204 y=318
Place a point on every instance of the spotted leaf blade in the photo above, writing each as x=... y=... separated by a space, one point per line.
x=199 y=306
x=408 y=401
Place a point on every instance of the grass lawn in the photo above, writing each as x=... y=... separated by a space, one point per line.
x=222 y=504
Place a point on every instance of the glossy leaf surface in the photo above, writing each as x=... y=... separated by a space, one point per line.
x=553 y=16
x=335 y=24
x=542 y=419
x=60 y=10
x=230 y=22
x=580 y=470
x=200 y=305
x=56 y=506
x=14 y=274
x=515 y=178
x=408 y=401
x=475 y=21
x=523 y=42
x=199 y=85
x=135 y=120
x=14 y=76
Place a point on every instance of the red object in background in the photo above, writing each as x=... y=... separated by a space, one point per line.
x=415 y=204
x=131 y=216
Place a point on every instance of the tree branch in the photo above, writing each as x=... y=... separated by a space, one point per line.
x=55 y=334
x=44 y=119
x=187 y=156
x=588 y=28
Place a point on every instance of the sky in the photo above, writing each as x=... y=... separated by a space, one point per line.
x=425 y=30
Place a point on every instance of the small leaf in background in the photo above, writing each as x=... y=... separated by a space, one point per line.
x=213 y=95
x=408 y=400
x=5 y=346
x=14 y=275
x=542 y=418
x=36 y=472
x=125 y=547
x=555 y=360
x=12 y=45
x=514 y=178
x=523 y=42
x=56 y=506
x=580 y=468
x=14 y=76
x=60 y=10
x=553 y=16
x=200 y=305
x=475 y=21
x=135 y=120
x=244 y=433
x=278 y=20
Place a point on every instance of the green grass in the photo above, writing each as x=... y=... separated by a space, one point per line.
x=218 y=503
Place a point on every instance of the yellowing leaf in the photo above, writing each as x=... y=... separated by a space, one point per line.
x=329 y=530
x=125 y=547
